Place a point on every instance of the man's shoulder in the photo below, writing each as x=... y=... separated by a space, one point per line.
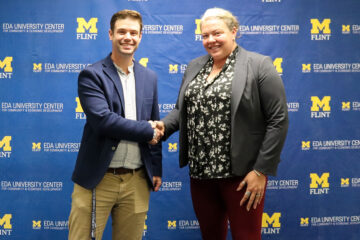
x=95 y=71
x=99 y=64
x=145 y=70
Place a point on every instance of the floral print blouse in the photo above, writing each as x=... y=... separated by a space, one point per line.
x=209 y=121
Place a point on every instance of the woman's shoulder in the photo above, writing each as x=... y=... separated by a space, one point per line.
x=255 y=59
x=201 y=59
x=253 y=55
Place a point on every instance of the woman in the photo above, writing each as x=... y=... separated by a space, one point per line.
x=232 y=116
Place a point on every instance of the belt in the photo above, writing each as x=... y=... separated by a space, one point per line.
x=121 y=170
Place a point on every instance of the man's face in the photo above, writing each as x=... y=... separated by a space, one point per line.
x=126 y=36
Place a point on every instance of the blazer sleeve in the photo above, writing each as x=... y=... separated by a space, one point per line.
x=156 y=150
x=102 y=120
x=274 y=107
x=172 y=120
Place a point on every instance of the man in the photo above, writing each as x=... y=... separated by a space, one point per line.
x=116 y=166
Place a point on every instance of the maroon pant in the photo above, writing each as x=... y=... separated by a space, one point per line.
x=216 y=202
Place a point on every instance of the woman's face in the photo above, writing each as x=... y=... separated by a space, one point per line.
x=218 y=39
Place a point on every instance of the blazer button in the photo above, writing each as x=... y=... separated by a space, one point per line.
x=113 y=148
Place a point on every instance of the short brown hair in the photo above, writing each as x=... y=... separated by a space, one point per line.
x=125 y=14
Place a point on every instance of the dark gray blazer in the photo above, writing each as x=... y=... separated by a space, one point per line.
x=259 y=117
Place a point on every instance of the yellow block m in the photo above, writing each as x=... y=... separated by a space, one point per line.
x=346 y=28
x=78 y=108
x=317 y=26
x=5 y=221
x=37 y=66
x=144 y=61
x=346 y=105
x=305 y=144
x=5 y=143
x=171 y=224
x=316 y=180
x=306 y=67
x=345 y=181
x=173 y=68
x=304 y=221
x=324 y=103
x=36 y=224
x=6 y=64
x=198 y=29
x=274 y=220
x=90 y=25
x=36 y=146
x=172 y=146
x=277 y=63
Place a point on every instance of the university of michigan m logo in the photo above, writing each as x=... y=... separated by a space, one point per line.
x=277 y=63
x=5 y=143
x=172 y=224
x=324 y=26
x=198 y=29
x=144 y=61
x=345 y=181
x=274 y=220
x=78 y=108
x=304 y=221
x=172 y=147
x=5 y=221
x=37 y=67
x=173 y=68
x=345 y=105
x=90 y=25
x=306 y=67
x=305 y=144
x=36 y=224
x=316 y=180
x=6 y=64
x=346 y=28
x=324 y=104
x=36 y=146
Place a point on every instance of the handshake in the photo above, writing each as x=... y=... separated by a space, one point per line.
x=159 y=129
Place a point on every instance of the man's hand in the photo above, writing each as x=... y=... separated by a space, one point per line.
x=157 y=183
x=159 y=128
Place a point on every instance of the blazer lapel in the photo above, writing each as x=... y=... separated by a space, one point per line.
x=191 y=73
x=239 y=80
x=238 y=83
x=112 y=73
x=139 y=89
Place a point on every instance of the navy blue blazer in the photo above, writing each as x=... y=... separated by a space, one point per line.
x=101 y=97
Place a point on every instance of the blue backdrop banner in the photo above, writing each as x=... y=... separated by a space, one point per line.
x=314 y=46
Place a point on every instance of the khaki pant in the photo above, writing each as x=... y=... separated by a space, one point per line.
x=125 y=196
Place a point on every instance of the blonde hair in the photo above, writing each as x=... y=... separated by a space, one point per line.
x=222 y=14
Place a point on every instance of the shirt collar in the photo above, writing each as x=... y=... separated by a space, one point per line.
x=130 y=69
x=230 y=57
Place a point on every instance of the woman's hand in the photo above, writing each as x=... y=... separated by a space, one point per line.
x=255 y=188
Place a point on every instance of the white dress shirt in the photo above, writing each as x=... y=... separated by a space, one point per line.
x=127 y=154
